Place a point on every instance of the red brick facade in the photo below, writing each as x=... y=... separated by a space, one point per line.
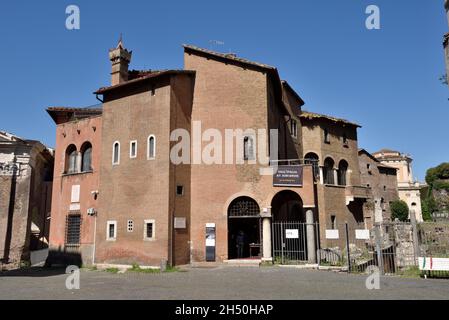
x=141 y=196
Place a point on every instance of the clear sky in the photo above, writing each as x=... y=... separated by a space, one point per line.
x=387 y=80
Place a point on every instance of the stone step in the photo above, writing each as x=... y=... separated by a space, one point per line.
x=243 y=262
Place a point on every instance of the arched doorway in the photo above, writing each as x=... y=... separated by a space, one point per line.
x=244 y=229
x=289 y=228
x=287 y=206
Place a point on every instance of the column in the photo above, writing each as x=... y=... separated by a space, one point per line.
x=311 y=249
x=266 y=235
x=79 y=160
x=335 y=176
x=321 y=176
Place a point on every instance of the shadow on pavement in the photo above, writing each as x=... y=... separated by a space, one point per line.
x=33 y=272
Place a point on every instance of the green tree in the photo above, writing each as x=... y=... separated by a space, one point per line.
x=399 y=210
x=428 y=206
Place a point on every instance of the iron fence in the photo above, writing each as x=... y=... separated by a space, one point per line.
x=392 y=247
x=290 y=241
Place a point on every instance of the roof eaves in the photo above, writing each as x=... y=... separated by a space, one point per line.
x=146 y=77
x=312 y=115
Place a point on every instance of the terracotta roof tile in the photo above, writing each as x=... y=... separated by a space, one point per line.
x=311 y=115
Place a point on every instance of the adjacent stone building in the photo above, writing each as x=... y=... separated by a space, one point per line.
x=76 y=182
x=409 y=190
x=382 y=182
x=331 y=143
x=26 y=169
x=157 y=188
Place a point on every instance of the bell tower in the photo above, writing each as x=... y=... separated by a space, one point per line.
x=120 y=58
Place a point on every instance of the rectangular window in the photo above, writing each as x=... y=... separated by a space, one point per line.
x=73 y=231
x=149 y=230
x=345 y=140
x=133 y=149
x=179 y=190
x=294 y=128
x=130 y=226
x=111 y=231
x=248 y=148
x=326 y=136
x=333 y=222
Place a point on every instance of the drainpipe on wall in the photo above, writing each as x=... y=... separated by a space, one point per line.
x=95 y=238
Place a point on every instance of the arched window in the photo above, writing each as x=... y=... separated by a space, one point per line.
x=342 y=173
x=243 y=207
x=328 y=171
x=86 y=160
x=314 y=160
x=151 y=147
x=70 y=159
x=116 y=153
x=248 y=148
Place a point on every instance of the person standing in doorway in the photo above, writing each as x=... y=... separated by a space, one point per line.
x=240 y=243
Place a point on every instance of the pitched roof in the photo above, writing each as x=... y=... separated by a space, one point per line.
x=74 y=113
x=386 y=151
x=228 y=56
x=311 y=115
x=287 y=86
x=142 y=76
x=378 y=163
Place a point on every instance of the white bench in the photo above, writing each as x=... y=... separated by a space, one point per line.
x=433 y=264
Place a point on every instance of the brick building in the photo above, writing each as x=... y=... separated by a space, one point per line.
x=135 y=204
x=382 y=182
x=408 y=188
x=26 y=169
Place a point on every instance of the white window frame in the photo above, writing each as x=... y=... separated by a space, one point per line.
x=148 y=147
x=111 y=222
x=252 y=156
x=113 y=153
x=128 y=223
x=145 y=222
x=131 y=156
x=294 y=128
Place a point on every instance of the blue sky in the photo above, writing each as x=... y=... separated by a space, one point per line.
x=386 y=80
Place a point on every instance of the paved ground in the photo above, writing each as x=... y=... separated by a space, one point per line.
x=215 y=283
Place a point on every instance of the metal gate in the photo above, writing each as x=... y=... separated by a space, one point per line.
x=289 y=241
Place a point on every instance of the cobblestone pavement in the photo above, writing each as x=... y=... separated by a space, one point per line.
x=215 y=283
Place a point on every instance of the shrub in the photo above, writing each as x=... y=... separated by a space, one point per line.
x=399 y=210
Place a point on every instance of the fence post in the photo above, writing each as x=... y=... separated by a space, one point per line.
x=378 y=240
x=311 y=250
x=347 y=247
x=318 y=244
x=415 y=235
x=282 y=243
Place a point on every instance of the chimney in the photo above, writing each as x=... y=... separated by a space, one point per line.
x=120 y=58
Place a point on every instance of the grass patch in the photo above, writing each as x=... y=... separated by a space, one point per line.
x=137 y=268
x=410 y=272
x=172 y=269
x=112 y=270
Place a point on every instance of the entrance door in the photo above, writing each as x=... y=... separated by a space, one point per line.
x=289 y=229
x=244 y=229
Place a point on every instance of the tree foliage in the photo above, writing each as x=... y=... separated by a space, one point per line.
x=440 y=172
x=399 y=210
